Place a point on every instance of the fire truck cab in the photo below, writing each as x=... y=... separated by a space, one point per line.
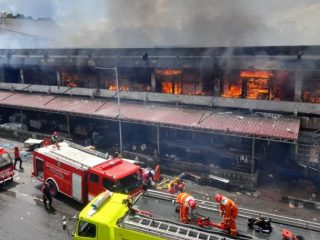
x=81 y=175
x=6 y=167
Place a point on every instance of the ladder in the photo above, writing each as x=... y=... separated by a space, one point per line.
x=169 y=230
x=62 y=157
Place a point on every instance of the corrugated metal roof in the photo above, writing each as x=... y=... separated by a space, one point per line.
x=202 y=120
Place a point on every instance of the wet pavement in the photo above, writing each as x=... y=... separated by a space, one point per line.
x=22 y=212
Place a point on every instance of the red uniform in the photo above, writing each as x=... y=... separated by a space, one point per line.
x=229 y=211
x=16 y=153
x=17 y=158
x=185 y=201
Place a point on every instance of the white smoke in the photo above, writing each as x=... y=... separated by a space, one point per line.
x=148 y=23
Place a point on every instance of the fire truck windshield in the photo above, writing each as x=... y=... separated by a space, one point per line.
x=124 y=185
x=5 y=159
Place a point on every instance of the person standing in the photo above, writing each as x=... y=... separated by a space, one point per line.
x=229 y=212
x=46 y=195
x=17 y=158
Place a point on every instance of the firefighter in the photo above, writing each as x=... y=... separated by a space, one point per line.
x=147 y=175
x=288 y=235
x=176 y=185
x=46 y=196
x=229 y=212
x=17 y=158
x=55 y=139
x=157 y=175
x=185 y=201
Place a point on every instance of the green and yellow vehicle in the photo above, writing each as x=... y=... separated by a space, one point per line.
x=101 y=222
x=101 y=219
x=152 y=216
x=114 y=216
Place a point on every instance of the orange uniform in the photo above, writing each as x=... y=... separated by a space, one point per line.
x=229 y=211
x=185 y=201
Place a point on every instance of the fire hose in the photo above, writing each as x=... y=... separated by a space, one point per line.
x=205 y=222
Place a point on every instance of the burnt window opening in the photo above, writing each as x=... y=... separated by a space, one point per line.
x=232 y=85
x=73 y=78
x=184 y=81
x=11 y=75
x=129 y=79
x=282 y=86
x=258 y=85
x=169 y=80
x=41 y=76
x=255 y=84
x=311 y=88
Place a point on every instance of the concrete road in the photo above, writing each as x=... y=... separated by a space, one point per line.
x=22 y=212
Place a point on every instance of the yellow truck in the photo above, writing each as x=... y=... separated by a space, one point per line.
x=102 y=220
x=111 y=216
x=152 y=216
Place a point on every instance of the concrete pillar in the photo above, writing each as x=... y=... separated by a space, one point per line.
x=298 y=77
x=58 y=79
x=21 y=76
x=68 y=124
x=1 y=74
x=252 y=158
x=158 y=140
x=218 y=76
x=217 y=87
x=21 y=120
x=153 y=82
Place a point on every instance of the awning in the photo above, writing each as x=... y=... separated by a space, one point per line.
x=282 y=128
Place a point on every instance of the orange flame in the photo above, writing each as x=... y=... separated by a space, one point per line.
x=121 y=88
x=258 y=88
x=255 y=74
x=69 y=79
x=167 y=87
x=312 y=96
x=168 y=72
x=232 y=89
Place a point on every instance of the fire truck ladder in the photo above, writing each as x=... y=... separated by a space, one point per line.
x=62 y=157
x=169 y=230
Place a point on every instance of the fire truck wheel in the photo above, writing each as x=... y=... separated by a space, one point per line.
x=53 y=188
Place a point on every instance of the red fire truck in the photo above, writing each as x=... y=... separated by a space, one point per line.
x=6 y=166
x=82 y=175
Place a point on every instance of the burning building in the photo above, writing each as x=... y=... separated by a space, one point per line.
x=201 y=110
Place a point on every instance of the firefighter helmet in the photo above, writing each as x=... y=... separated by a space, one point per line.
x=192 y=203
x=218 y=197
